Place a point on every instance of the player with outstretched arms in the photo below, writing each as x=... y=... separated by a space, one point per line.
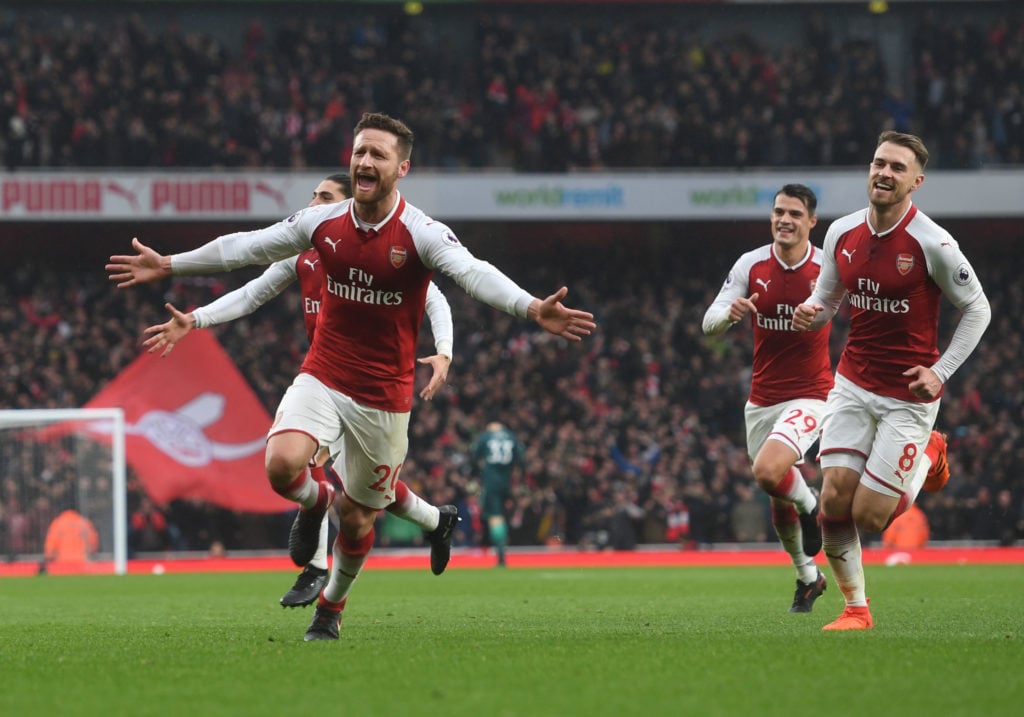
x=436 y=522
x=378 y=254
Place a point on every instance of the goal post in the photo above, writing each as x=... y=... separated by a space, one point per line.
x=53 y=459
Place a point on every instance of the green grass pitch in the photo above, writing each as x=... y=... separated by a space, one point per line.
x=948 y=640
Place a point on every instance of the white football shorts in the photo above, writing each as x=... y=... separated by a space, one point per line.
x=796 y=423
x=881 y=438
x=372 y=443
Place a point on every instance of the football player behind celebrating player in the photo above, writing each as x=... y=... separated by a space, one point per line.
x=878 y=446
x=791 y=376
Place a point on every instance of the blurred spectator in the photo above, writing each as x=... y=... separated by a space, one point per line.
x=748 y=519
x=908 y=531
x=981 y=511
x=470 y=529
x=148 y=529
x=1007 y=519
x=70 y=538
x=17 y=539
x=624 y=517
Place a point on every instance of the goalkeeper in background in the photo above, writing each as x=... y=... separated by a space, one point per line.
x=497 y=453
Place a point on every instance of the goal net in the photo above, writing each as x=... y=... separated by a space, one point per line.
x=62 y=489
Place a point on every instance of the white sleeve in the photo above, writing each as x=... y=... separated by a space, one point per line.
x=829 y=291
x=972 y=325
x=716 y=318
x=440 y=249
x=261 y=246
x=950 y=269
x=439 y=311
x=246 y=299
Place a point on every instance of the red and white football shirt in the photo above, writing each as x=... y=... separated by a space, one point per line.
x=894 y=282
x=787 y=364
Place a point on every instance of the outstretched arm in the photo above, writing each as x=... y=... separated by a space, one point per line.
x=440 y=249
x=233 y=305
x=225 y=253
x=165 y=336
x=554 y=317
x=246 y=299
x=144 y=267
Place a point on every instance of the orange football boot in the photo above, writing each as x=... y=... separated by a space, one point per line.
x=853 y=618
x=938 y=474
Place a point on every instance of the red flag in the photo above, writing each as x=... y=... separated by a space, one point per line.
x=195 y=428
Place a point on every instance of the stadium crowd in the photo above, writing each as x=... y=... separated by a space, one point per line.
x=635 y=436
x=583 y=88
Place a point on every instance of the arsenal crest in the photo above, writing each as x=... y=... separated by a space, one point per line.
x=398 y=255
x=904 y=263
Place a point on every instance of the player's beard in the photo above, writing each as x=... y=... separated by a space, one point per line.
x=371 y=200
x=886 y=198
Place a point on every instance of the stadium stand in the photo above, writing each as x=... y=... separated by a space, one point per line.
x=586 y=88
x=646 y=408
x=646 y=411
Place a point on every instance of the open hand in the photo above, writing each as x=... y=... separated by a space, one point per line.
x=165 y=336
x=555 y=318
x=142 y=268
x=440 y=365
